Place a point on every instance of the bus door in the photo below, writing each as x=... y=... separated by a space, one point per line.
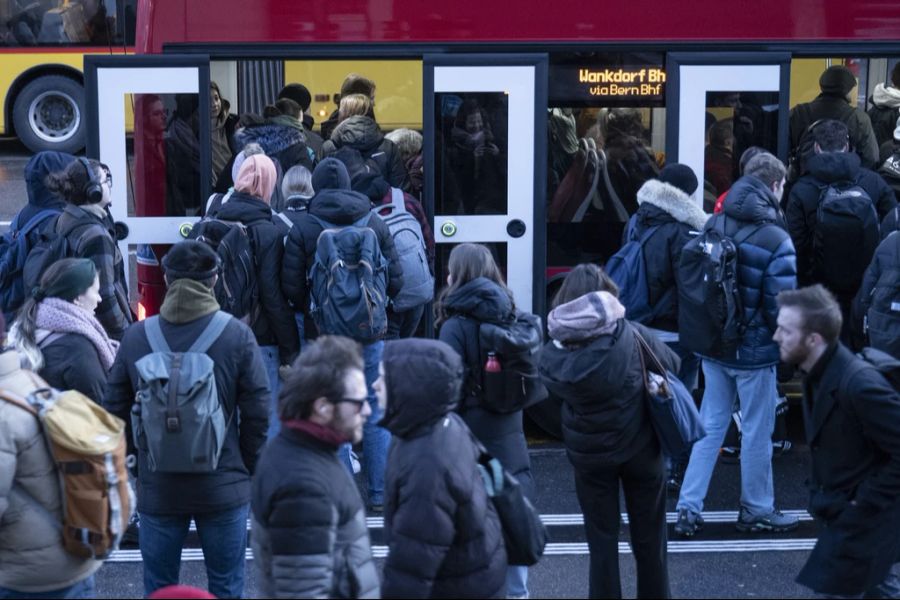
x=158 y=189
x=721 y=104
x=485 y=161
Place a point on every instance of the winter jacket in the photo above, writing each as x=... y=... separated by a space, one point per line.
x=71 y=362
x=675 y=215
x=363 y=134
x=334 y=203
x=483 y=301
x=310 y=538
x=601 y=384
x=32 y=557
x=826 y=106
x=243 y=388
x=275 y=324
x=852 y=418
x=92 y=237
x=767 y=264
x=825 y=169
x=444 y=536
x=884 y=112
x=279 y=141
x=890 y=223
x=885 y=259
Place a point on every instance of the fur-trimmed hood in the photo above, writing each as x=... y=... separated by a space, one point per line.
x=273 y=137
x=673 y=201
x=888 y=97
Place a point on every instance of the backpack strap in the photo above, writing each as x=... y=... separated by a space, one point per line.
x=33 y=222
x=211 y=333
x=648 y=233
x=397 y=200
x=19 y=401
x=284 y=218
x=155 y=335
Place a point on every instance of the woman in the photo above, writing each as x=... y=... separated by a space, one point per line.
x=297 y=189
x=221 y=131
x=593 y=364
x=57 y=335
x=476 y=294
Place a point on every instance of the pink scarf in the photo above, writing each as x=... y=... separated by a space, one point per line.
x=59 y=316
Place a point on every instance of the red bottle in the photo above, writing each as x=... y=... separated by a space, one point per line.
x=493 y=363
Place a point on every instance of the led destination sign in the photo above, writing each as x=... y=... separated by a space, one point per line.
x=644 y=85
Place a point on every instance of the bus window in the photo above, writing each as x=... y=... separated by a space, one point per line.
x=58 y=23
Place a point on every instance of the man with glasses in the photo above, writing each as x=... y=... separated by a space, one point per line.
x=310 y=538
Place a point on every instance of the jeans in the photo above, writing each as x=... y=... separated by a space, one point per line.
x=402 y=325
x=516 y=581
x=757 y=394
x=223 y=537
x=82 y=589
x=272 y=360
x=375 y=439
x=300 y=320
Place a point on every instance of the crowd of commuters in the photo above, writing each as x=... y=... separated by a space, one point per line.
x=299 y=380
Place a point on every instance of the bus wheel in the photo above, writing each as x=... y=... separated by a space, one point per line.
x=49 y=114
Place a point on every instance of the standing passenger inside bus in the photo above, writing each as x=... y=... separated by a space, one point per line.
x=221 y=130
x=299 y=94
x=630 y=162
x=353 y=84
x=476 y=171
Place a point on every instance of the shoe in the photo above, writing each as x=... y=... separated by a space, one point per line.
x=774 y=522
x=688 y=523
x=131 y=537
x=675 y=477
x=781 y=448
x=376 y=509
x=731 y=454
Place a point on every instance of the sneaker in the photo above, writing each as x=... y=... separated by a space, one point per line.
x=731 y=454
x=774 y=522
x=688 y=523
x=781 y=448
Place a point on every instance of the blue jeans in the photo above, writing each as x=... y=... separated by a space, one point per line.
x=756 y=391
x=516 y=581
x=272 y=360
x=82 y=589
x=375 y=439
x=223 y=537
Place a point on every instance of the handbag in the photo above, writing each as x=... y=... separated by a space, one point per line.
x=673 y=414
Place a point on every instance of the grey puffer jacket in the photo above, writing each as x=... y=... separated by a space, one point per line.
x=32 y=557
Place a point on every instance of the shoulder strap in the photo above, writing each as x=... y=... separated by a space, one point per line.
x=323 y=223
x=648 y=233
x=285 y=219
x=49 y=339
x=34 y=221
x=155 y=335
x=211 y=333
x=397 y=199
x=741 y=237
x=19 y=401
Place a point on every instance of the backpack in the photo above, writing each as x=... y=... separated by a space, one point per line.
x=359 y=165
x=88 y=447
x=710 y=315
x=516 y=345
x=882 y=321
x=53 y=245
x=348 y=282
x=887 y=365
x=846 y=218
x=237 y=289
x=178 y=420
x=14 y=249
x=798 y=156
x=628 y=268
x=418 y=283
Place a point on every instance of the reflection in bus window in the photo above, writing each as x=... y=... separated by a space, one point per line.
x=58 y=22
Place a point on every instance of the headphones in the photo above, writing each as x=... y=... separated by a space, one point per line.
x=92 y=190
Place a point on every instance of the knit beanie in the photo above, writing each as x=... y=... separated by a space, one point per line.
x=72 y=282
x=837 y=80
x=680 y=176
x=257 y=177
x=190 y=259
x=298 y=93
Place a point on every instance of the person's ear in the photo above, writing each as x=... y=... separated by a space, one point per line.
x=322 y=408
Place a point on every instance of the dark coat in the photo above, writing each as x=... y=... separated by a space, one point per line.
x=890 y=223
x=275 y=324
x=853 y=427
x=443 y=533
x=824 y=169
x=309 y=525
x=601 y=383
x=885 y=259
x=767 y=265
x=483 y=301
x=71 y=362
x=363 y=134
x=243 y=386
x=826 y=106
x=676 y=215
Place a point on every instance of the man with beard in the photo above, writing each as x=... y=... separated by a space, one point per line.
x=309 y=525
x=852 y=418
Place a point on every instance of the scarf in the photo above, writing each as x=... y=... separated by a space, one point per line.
x=585 y=318
x=187 y=300
x=322 y=433
x=58 y=316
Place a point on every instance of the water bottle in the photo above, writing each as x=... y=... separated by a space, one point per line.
x=493 y=363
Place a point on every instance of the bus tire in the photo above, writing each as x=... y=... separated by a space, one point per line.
x=48 y=114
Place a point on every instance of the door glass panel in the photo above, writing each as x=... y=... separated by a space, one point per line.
x=471 y=150
x=442 y=261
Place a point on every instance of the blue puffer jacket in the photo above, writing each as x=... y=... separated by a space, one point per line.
x=767 y=264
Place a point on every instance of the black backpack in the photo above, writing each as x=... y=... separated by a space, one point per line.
x=710 y=312
x=801 y=153
x=846 y=219
x=237 y=289
x=887 y=365
x=54 y=244
x=882 y=321
x=516 y=345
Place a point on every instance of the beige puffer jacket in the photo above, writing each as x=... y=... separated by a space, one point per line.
x=32 y=558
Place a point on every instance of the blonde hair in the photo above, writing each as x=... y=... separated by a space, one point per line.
x=354 y=105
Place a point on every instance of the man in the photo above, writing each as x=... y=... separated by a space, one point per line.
x=353 y=83
x=766 y=266
x=309 y=526
x=852 y=418
x=217 y=501
x=300 y=94
x=885 y=107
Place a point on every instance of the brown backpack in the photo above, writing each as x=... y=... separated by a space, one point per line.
x=88 y=447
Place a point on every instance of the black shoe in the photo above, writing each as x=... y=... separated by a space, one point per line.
x=675 y=477
x=130 y=539
x=688 y=523
x=731 y=454
x=781 y=448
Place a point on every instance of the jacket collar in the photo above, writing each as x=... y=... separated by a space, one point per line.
x=823 y=382
x=673 y=201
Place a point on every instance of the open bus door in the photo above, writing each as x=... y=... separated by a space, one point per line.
x=159 y=192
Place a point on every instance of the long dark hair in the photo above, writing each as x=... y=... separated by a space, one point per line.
x=468 y=262
x=584 y=279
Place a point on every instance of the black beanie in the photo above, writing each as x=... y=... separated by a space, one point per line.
x=680 y=176
x=837 y=80
x=298 y=93
x=190 y=259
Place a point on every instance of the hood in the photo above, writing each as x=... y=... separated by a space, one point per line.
x=673 y=201
x=585 y=318
x=597 y=367
x=751 y=201
x=272 y=137
x=340 y=207
x=834 y=166
x=330 y=174
x=423 y=380
x=244 y=208
x=359 y=132
x=481 y=299
x=887 y=97
x=36 y=171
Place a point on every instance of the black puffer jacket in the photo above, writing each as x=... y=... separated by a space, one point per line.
x=278 y=141
x=444 y=535
x=483 y=301
x=71 y=362
x=364 y=134
x=605 y=421
x=675 y=215
x=275 y=324
x=334 y=203
x=826 y=106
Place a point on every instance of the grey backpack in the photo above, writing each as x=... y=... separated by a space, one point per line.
x=178 y=420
